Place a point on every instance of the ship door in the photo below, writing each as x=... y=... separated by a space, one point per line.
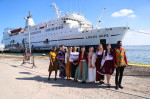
x=103 y=42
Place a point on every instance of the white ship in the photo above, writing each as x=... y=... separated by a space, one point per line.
x=69 y=30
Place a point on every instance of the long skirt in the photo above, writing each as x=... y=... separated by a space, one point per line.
x=82 y=71
x=91 y=74
x=108 y=68
x=68 y=68
x=62 y=68
x=73 y=69
x=98 y=65
x=55 y=66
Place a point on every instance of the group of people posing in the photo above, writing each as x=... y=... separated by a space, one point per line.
x=89 y=67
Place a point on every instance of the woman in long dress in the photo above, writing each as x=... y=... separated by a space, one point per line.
x=68 y=63
x=74 y=59
x=107 y=66
x=53 y=62
x=82 y=69
x=61 y=61
x=91 y=65
x=99 y=54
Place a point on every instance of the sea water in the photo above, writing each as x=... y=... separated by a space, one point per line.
x=135 y=54
x=138 y=54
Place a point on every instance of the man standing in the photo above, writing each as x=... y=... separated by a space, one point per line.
x=120 y=61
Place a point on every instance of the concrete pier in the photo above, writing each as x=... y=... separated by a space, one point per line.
x=23 y=82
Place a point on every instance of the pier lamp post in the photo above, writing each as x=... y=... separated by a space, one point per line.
x=29 y=38
x=29 y=41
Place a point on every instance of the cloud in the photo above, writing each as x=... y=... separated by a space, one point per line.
x=137 y=37
x=143 y=31
x=122 y=13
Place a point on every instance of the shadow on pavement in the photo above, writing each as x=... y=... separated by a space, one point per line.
x=62 y=82
x=70 y=83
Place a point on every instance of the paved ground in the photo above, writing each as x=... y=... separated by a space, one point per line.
x=23 y=82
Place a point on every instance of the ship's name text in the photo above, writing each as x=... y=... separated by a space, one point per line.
x=97 y=36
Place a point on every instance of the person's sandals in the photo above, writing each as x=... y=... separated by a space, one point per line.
x=101 y=82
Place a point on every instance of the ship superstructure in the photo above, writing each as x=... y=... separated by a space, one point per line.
x=69 y=30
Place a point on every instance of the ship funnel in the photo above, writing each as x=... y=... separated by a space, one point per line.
x=29 y=20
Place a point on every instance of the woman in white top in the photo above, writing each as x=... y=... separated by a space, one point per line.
x=107 y=66
x=74 y=60
x=91 y=65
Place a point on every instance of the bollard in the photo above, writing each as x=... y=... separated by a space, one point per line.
x=43 y=55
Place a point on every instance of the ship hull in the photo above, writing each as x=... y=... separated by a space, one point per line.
x=44 y=40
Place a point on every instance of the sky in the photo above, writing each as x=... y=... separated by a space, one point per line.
x=134 y=13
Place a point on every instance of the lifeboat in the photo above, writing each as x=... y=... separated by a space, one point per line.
x=43 y=27
x=16 y=30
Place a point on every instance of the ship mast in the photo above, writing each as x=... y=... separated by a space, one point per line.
x=28 y=22
x=99 y=20
x=56 y=10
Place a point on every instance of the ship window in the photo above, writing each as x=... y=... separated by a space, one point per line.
x=36 y=32
x=60 y=27
x=110 y=28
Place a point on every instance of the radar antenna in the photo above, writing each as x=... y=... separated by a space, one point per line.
x=99 y=20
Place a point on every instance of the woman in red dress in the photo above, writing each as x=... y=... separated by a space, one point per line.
x=99 y=54
x=107 y=66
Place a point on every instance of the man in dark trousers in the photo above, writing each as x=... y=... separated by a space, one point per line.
x=120 y=62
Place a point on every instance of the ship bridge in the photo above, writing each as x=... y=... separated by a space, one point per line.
x=77 y=17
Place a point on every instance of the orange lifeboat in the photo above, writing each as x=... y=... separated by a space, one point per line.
x=42 y=27
x=16 y=30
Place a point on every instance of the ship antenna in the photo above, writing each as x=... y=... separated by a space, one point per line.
x=56 y=10
x=30 y=15
x=99 y=20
